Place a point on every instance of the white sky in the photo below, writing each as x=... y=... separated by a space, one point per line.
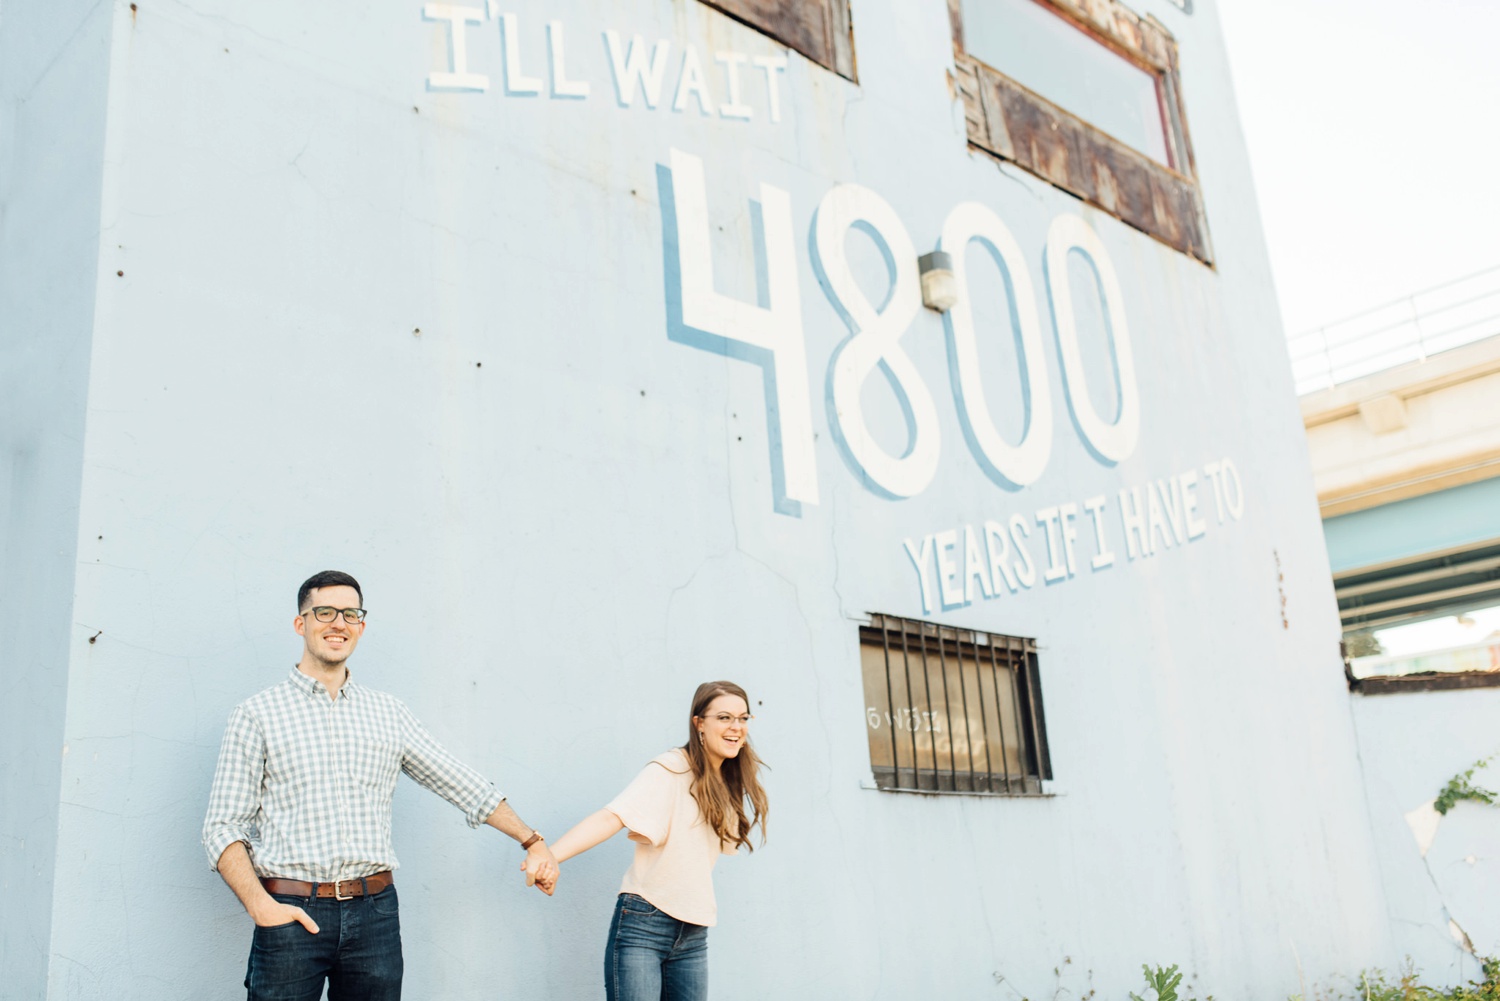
x=1374 y=134
x=1420 y=637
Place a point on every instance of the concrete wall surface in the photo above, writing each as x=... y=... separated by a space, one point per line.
x=54 y=61
x=602 y=394
x=1441 y=871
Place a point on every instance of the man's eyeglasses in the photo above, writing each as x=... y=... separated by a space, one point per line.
x=724 y=719
x=327 y=613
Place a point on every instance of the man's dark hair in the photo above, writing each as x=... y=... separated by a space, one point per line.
x=328 y=578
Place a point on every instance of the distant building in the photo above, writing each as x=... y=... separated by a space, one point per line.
x=1406 y=459
x=1404 y=433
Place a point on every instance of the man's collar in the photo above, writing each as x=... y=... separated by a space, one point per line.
x=312 y=686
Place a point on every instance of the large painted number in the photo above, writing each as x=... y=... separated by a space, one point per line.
x=874 y=339
x=771 y=335
x=1022 y=463
x=1113 y=442
x=774 y=332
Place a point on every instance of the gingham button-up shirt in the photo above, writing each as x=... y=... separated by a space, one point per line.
x=306 y=780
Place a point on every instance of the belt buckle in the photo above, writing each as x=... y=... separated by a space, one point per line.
x=338 y=893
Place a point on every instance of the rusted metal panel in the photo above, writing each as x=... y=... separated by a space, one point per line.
x=1147 y=42
x=1456 y=681
x=996 y=136
x=1063 y=149
x=1016 y=124
x=1143 y=38
x=956 y=19
x=966 y=82
x=819 y=29
x=1179 y=142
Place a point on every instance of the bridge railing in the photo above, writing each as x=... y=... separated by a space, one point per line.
x=1408 y=329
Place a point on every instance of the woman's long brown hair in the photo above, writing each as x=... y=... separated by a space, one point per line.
x=722 y=793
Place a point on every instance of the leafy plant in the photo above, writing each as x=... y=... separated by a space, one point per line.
x=1460 y=787
x=1163 y=982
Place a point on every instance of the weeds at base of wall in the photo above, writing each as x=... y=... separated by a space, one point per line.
x=1377 y=985
x=1063 y=971
x=1162 y=984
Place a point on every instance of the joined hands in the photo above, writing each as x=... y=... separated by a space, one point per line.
x=540 y=868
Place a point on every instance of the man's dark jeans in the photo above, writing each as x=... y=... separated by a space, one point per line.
x=357 y=951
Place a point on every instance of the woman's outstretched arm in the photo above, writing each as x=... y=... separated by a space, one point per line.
x=594 y=829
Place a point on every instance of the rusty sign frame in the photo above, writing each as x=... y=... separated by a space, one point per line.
x=1010 y=122
x=818 y=29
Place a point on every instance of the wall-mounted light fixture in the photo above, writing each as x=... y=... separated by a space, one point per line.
x=939 y=287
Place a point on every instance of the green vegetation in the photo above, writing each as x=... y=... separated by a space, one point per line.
x=1460 y=787
x=1162 y=984
x=1377 y=985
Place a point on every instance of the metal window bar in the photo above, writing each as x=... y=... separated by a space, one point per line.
x=916 y=726
x=937 y=764
x=963 y=694
x=948 y=711
x=1037 y=713
x=916 y=776
x=984 y=723
x=968 y=719
x=1023 y=682
x=1018 y=703
x=999 y=714
x=890 y=700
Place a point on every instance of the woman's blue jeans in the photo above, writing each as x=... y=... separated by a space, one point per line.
x=651 y=956
x=357 y=951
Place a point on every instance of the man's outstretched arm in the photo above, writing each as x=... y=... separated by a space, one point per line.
x=540 y=867
x=432 y=766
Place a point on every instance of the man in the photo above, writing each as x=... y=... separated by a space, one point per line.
x=299 y=817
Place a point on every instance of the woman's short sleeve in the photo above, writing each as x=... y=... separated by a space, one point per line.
x=645 y=806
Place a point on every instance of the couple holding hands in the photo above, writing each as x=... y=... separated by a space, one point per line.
x=299 y=822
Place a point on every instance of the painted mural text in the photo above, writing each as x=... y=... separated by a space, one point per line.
x=769 y=333
x=912 y=719
x=727 y=84
x=956 y=567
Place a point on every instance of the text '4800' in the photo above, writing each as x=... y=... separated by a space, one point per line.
x=772 y=335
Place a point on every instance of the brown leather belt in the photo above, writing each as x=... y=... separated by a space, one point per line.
x=344 y=889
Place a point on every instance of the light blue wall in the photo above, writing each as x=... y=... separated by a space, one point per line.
x=1457 y=516
x=1411 y=745
x=53 y=72
x=439 y=339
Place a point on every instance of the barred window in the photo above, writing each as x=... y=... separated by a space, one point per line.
x=952 y=710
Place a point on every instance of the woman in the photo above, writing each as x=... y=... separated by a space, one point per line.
x=685 y=809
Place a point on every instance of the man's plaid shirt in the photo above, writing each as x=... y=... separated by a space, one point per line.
x=306 y=781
